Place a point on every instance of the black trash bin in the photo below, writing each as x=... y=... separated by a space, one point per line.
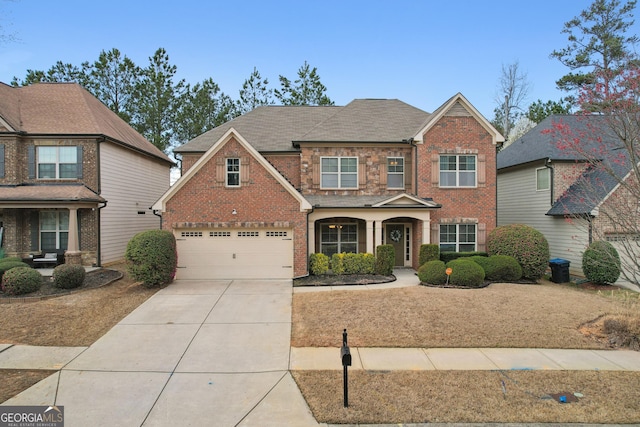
x=559 y=270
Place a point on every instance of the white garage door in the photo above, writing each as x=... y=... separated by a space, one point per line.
x=235 y=254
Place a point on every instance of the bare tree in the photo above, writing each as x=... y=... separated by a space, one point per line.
x=513 y=89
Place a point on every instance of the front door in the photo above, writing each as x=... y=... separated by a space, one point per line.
x=395 y=235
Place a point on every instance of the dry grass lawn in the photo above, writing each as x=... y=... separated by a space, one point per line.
x=501 y=315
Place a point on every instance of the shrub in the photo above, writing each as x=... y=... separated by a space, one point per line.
x=68 y=276
x=385 y=259
x=526 y=244
x=318 y=264
x=337 y=263
x=450 y=256
x=601 y=263
x=350 y=263
x=504 y=268
x=8 y=265
x=465 y=272
x=10 y=259
x=433 y=272
x=151 y=257
x=428 y=252
x=21 y=280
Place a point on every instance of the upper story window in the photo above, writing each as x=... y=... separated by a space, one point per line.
x=457 y=237
x=395 y=172
x=60 y=162
x=339 y=172
x=458 y=171
x=543 y=179
x=233 y=172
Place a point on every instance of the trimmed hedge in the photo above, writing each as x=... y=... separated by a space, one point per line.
x=385 y=259
x=466 y=273
x=21 y=280
x=350 y=263
x=499 y=268
x=318 y=264
x=11 y=259
x=450 y=256
x=151 y=257
x=428 y=252
x=8 y=265
x=526 y=244
x=68 y=276
x=433 y=272
x=601 y=263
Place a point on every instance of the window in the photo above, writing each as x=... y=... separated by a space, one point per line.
x=542 y=179
x=338 y=238
x=457 y=171
x=54 y=230
x=57 y=162
x=339 y=172
x=395 y=172
x=233 y=173
x=458 y=238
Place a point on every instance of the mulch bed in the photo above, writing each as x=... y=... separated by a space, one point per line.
x=94 y=279
x=342 y=280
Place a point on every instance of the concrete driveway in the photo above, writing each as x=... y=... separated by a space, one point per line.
x=196 y=353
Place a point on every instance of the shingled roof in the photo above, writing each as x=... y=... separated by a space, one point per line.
x=67 y=109
x=277 y=128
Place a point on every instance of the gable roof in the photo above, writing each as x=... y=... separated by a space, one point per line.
x=383 y=201
x=445 y=108
x=67 y=109
x=160 y=205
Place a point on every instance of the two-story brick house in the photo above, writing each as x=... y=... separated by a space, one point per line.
x=74 y=177
x=263 y=191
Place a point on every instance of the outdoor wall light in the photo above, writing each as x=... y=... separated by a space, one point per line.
x=234 y=212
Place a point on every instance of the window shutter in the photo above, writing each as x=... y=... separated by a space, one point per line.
x=315 y=171
x=31 y=161
x=1 y=160
x=79 y=162
x=435 y=233
x=362 y=172
x=435 y=170
x=482 y=170
x=220 y=170
x=408 y=176
x=482 y=237
x=244 y=170
x=35 y=230
x=383 y=171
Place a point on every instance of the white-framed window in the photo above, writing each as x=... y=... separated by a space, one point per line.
x=457 y=237
x=233 y=172
x=339 y=172
x=458 y=170
x=395 y=172
x=338 y=238
x=57 y=162
x=543 y=179
x=54 y=230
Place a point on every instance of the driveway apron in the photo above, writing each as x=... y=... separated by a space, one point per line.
x=196 y=353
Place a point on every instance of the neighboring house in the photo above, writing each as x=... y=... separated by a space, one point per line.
x=74 y=177
x=262 y=192
x=559 y=191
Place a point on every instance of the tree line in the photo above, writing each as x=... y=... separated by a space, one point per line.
x=167 y=111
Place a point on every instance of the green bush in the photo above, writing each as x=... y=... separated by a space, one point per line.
x=318 y=264
x=151 y=257
x=601 y=263
x=68 y=276
x=499 y=268
x=8 y=265
x=450 y=256
x=350 y=263
x=21 y=280
x=337 y=263
x=526 y=244
x=385 y=259
x=10 y=259
x=428 y=252
x=466 y=273
x=433 y=273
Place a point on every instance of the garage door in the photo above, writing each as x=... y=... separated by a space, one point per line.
x=235 y=254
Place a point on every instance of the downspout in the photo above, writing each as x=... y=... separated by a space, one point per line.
x=99 y=251
x=415 y=166
x=547 y=164
x=155 y=212
x=307 y=233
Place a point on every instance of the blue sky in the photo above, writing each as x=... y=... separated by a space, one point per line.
x=421 y=52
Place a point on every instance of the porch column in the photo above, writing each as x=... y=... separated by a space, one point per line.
x=426 y=232
x=379 y=232
x=370 y=246
x=311 y=237
x=72 y=254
